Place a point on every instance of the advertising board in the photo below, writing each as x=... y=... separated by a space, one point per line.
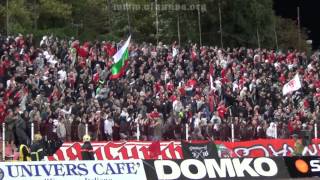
x=71 y=170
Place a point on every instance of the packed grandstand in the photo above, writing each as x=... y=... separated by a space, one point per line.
x=60 y=85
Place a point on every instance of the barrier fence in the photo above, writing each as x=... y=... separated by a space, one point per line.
x=253 y=148
x=3 y=138
x=315 y=131
x=187 y=135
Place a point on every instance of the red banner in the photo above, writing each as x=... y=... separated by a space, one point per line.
x=118 y=150
x=172 y=150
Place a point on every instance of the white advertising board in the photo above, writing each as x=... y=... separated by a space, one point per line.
x=73 y=170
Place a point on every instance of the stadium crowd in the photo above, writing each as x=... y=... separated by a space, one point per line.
x=60 y=85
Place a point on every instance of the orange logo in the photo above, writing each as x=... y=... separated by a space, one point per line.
x=302 y=166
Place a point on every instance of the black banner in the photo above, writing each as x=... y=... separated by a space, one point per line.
x=205 y=150
x=236 y=168
x=307 y=166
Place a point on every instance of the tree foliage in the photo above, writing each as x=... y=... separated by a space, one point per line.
x=242 y=21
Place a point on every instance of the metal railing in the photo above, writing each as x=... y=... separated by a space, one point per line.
x=315 y=131
x=3 y=141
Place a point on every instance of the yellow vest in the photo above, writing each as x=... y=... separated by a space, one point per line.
x=21 y=156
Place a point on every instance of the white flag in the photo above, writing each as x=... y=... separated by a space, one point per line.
x=175 y=52
x=293 y=85
x=212 y=83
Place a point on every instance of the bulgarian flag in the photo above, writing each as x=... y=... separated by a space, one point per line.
x=120 y=61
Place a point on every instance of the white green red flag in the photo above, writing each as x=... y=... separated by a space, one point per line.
x=120 y=61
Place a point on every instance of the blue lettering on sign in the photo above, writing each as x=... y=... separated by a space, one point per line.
x=11 y=173
x=46 y=170
x=83 y=170
x=115 y=168
x=37 y=169
x=95 y=168
x=109 y=168
x=1 y=174
x=130 y=167
x=71 y=169
x=120 y=167
x=25 y=169
x=58 y=170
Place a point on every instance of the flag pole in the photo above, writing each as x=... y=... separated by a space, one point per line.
x=315 y=131
x=220 y=20
x=157 y=22
x=199 y=25
x=275 y=34
x=178 y=24
x=299 y=36
x=258 y=37
x=7 y=16
x=128 y=17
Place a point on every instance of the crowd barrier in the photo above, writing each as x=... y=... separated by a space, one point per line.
x=172 y=150
x=3 y=142
x=187 y=135
x=224 y=168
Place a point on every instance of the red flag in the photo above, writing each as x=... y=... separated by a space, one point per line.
x=154 y=150
x=82 y=51
x=96 y=78
x=194 y=55
x=110 y=49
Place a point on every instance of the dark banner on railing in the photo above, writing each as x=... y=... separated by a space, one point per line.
x=200 y=150
x=226 y=168
x=172 y=149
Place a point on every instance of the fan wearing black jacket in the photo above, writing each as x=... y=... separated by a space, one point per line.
x=37 y=148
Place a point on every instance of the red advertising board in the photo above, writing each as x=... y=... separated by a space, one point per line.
x=172 y=149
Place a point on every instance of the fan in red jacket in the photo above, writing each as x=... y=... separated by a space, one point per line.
x=222 y=110
x=2 y=111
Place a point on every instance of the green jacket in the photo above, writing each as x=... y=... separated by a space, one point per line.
x=298 y=148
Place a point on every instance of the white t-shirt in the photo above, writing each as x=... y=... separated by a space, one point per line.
x=62 y=75
x=177 y=106
x=108 y=124
x=271 y=131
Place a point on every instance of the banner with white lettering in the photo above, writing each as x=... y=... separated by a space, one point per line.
x=236 y=168
x=79 y=170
